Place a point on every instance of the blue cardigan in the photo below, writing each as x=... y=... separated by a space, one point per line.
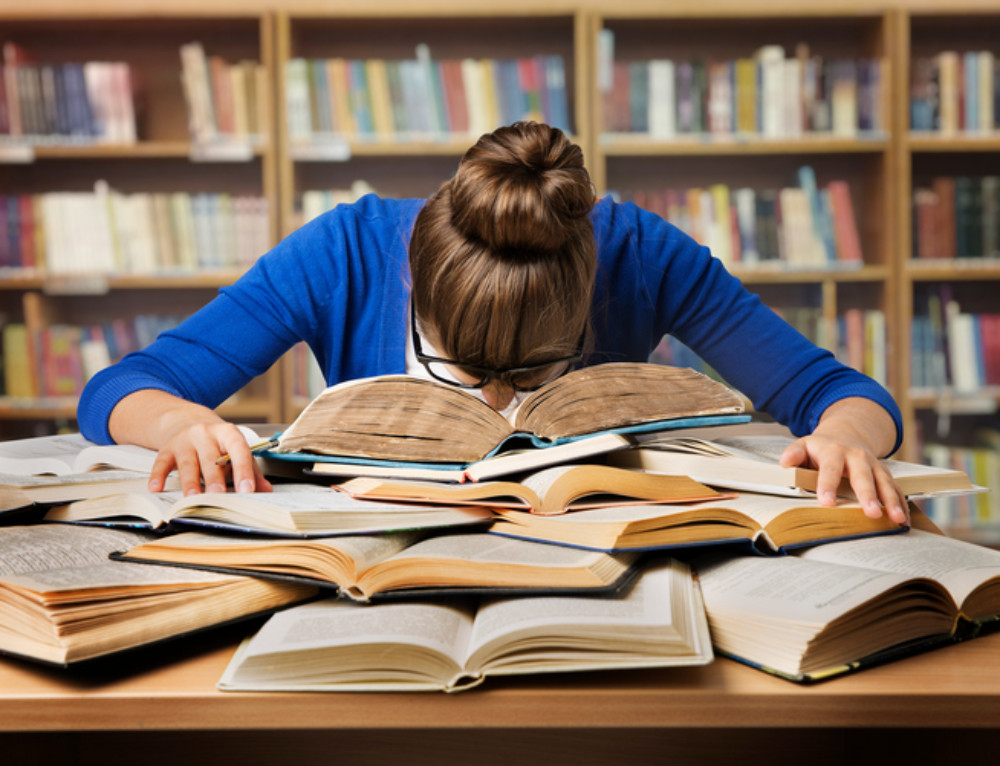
x=341 y=284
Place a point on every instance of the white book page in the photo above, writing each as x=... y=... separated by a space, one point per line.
x=958 y=565
x=42 y=454
x=579 y=626
x=57 y=546
x=111 y=574
x=297 y=647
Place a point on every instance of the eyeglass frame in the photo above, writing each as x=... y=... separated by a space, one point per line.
x=489 y=374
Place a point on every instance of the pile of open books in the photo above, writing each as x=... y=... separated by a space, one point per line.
x=639 y=541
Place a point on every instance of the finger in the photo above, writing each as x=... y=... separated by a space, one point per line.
x=860 y=473
x=241 y=460
x=189 y=470
x=831 y=474
x=892 y=498
x=162 y=466
x=262 y=484
x=794 y=454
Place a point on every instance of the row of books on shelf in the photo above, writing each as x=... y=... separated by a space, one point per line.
x=421 y=98
x=315 y=202
x=957 y=217
x=804 y=226
x=110 y=232
x=952 y=348
x=617 y=559
x=858 y=338
x=44 y=102
x=225 y=101
x=955 y=92
x=57 y=360
x=965 y=514
x=769 y=95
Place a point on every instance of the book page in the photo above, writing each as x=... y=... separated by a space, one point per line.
x=503 y=550
x=41 y=454
x=41 y=547
x=109 y=575
x=956 y=564
x=151 y=507
x=795 y=590
x=331 y=642
x=396 y=417
x=356 y=552
x=572 y=629
x=609 y=396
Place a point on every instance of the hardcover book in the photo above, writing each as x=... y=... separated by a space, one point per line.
x=428 y=646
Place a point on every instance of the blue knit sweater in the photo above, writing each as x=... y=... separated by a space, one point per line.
x=341 y=284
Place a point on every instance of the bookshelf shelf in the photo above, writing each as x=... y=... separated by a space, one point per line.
x=750 y=275
x=958 y=142
x=629 y=145
x=955 y=270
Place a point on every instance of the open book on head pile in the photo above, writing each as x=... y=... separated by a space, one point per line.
x=411 y=425
x=426 y=646
x=848 y=605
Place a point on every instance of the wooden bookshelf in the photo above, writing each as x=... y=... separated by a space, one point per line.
x=161 y=160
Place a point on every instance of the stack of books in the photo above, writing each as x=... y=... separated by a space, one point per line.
x=575 y=551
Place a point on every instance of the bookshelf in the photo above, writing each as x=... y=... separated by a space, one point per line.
x=683 y=140
x=46 y=164
x=952 y=411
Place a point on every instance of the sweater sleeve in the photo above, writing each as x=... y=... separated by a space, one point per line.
x=675 y=286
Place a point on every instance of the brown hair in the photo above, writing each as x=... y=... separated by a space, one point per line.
x=503 y=257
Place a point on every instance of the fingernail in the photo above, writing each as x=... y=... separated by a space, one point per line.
x=154 y=485
x=873 y=509
x=192 y=491
x=215 y=488
x=246 y=486
x=828 y=497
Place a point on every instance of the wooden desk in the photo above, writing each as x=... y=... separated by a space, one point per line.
x=162 y=707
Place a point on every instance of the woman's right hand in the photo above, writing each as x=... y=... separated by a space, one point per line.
x=189 y=438
x=196 y=451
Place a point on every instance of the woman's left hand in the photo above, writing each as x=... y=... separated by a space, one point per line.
x=850 y=436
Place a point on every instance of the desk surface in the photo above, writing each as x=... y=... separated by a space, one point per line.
x=174 y=689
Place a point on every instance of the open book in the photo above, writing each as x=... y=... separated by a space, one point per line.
x=768 y=523
x=363 y=566
x=750 y=461
x=63 y=601
x=550 y=491
x=69 y=454
x=23 y=491
x=339 y=646
x=402 y=419
x=851 y=604
x=291 y=509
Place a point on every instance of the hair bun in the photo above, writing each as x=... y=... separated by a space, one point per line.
x=522 y=190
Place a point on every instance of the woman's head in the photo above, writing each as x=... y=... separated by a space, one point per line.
x=502 y=257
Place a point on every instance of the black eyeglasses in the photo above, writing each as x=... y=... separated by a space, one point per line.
x=529 y=377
